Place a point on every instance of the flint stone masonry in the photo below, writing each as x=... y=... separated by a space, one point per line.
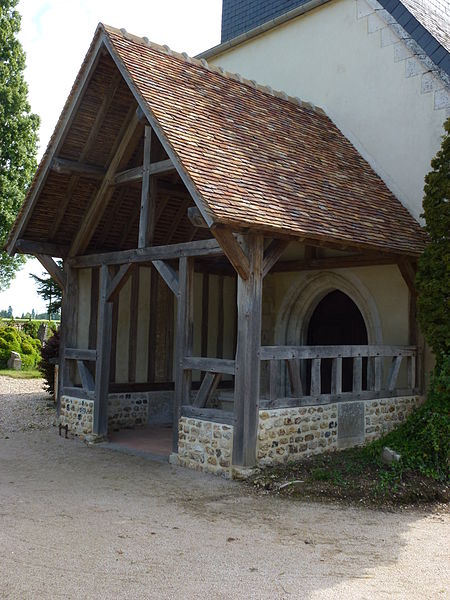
x=289 y=434
x=124 y=410
x=205 y=446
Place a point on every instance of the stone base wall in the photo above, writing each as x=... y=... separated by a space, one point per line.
x=205 y=446
x=77 y=415
x=124 y=410
x=289 y=434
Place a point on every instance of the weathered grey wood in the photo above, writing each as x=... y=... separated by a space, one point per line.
x=336 y=375
x=57 y=140
x=102 y=367
x=378 y=373
x=177 y=219
x=137 y=173
x=293 y=369
x=145 y=255
x=87 y=381
x=77 y=392
x=220 y=318
x=80 y=354
x=357 y=374
x=289 y=402
x=248 y=365
x=146 y=219
x=30 y=247
x=207 y=389
x=99 y=203
x=304 y=352
x=68 y=329
x=196 y=217
x=184 y=341
x=412 y=371
x=209 y=365
x=393 y=372
x=169 y=275
x=56 y=273
x=338 y=262
x=151 y=366
x=93 y=313
x=61 y=165
x=205 y=314
x=273 y=254
x=208 y=414
x=132 y=333
x=119 y=280
x=315 y=376
x=233 y=250
x=273 y=380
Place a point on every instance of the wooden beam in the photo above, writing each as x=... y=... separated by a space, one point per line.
x=53 y=269
x=207 y=389
x=147 y=212
x=68 y=328
x=119 y=280
x=136 y=173
x=209 y=365
x=273 y=253
x=74 y=167
x=87 y=381
x=178 y=217
x=151 y=348
x=196 y=218
x=100 y=418
x=31 y=247
x=98 y=205
x=146 y=255
x=208 y=414
x=80 y=354
x=184 y=341
x=232 y=250
x=335 y=262
x=169 y=275
x=132 y=334
x=93 y=313
x=248 y=364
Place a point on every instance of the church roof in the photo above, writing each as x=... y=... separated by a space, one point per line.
x=251 y=158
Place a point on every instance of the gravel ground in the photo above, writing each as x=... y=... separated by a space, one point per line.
x=80 y=522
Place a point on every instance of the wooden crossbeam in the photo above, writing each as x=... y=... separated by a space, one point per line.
x=136 y=174
x=144 y=255
x=87 y=381
x=118 y=281
x=31 y=247
x=169 y=275
x=98 y=205
x=147 y=211
x=273 y=253
x=56 y=272
x=207 y=389
x=335 y=262
x=73 y=167
x=233 y=250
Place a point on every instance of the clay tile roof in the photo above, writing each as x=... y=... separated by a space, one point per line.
x=261 y=160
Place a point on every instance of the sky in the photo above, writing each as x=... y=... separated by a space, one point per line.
x=56 y=34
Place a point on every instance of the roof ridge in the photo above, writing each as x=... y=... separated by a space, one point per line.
x=266 y=89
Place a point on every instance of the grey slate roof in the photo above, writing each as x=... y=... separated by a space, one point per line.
x=426 y=21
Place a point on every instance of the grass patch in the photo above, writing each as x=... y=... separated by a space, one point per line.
x=25 y=374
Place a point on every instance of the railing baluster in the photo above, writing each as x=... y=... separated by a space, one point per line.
x=315 y=377
x=357 y=374
x=412 y=372
x=393 y=373
x=293 y=366
x=336 y=375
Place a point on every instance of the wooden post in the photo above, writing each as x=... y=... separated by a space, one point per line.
x=184 y=340
x=147 y=220
x=68 y=328
x=248 y=364
x=102 y=367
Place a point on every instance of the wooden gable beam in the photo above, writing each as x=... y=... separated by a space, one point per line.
x=273 y=253
x=53 y=269
x=98 y=205
x=74 y=167
x=118 y=281
x=136 y=174
x=148 y=196
x=31 y=247
x=232 y=250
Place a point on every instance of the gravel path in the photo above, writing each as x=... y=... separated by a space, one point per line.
x=24 y=405
x=90 y=523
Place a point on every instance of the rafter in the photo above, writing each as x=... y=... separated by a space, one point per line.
x=233 y=250
x=53 y=269
x=273 y=253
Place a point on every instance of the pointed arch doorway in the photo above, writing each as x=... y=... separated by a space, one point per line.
x=337 y=321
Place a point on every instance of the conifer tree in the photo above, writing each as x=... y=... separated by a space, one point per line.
x=18 y=137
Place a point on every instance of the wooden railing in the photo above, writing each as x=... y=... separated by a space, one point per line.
x=307 y=368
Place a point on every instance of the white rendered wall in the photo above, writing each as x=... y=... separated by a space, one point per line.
x=345 y=59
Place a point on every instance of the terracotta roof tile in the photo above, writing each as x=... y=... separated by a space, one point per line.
x=259 y=160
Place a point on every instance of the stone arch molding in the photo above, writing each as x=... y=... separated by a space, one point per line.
x=303 y=297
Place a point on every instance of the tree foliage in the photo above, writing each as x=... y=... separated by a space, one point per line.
x=18 y=127
x=50 y=292
x=433 y=276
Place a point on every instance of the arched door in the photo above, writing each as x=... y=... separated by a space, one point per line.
x=337 y=321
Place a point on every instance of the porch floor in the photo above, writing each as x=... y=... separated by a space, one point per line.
x=154 y=439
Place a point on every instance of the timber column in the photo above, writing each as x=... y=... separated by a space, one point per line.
x=248 y=364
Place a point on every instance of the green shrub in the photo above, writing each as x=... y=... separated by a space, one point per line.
x=31 y=328
x=49 y=352
x=423 y=441
x=13 y=340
